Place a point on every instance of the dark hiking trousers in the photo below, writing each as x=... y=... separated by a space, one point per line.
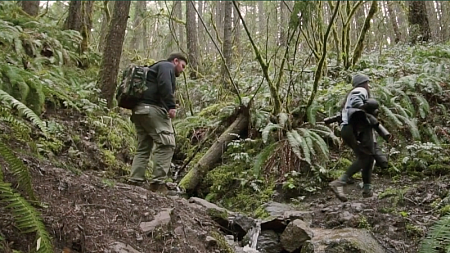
x=153 y=128
x=362 y=144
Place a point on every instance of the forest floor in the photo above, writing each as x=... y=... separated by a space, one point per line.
x=398 y=215
x=86 y=212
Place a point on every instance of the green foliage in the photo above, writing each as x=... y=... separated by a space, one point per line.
x=438 y=237
x=27 y=219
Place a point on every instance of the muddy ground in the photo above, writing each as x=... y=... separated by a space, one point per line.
x=85 y=212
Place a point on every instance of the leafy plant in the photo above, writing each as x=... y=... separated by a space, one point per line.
x=438 y=237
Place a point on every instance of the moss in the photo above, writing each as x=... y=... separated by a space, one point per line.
x=396 y=195
x=444 y=210
x=414 y=231
x=261 y=213
x=363 y=223
x=222 y=244
x=214 y=213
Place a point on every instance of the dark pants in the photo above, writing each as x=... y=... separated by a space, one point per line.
x=362 y=143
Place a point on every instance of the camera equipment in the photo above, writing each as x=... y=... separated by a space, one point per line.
x=332 y=119
x=383 y=132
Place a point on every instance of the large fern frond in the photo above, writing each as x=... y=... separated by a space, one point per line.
x=268 y=129
x=10 y=101
x=326 y=132
x=294 y=143
x=301 y=141
x=438 y=238
x=26 y=216
x=412 y=125
x=320 y=145
x=282 y=119
x=309 y=141
x=18 y=169
x=391 y=116
x=262 y=157
x=424 y=107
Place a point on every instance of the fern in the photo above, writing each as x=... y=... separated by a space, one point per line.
x=27 y=218
x=9 y=100
x=320 y=144
x=412 y=125
x=282 y=119
x=438 y=237
x=391 y=116
x=268 y=129
x=294 y=143
x=325 y=131
x=424 y=107
x=300 y=141
x=307 y=137
x=262 y=157
x=18 y=169
x=311 y=113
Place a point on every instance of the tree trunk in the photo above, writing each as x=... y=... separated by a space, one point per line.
x=418 y=22
x=179 y=29
x=113 y=51
x=106 y=19
x=284 y=15
x=86 y=24
x=392 y=18
x=237 y=33
x=191 y=36
x=194 y=177
x=138 y=27
x=73 y=20
x=360 y=44
x=227 y=43
x=30 y=7
x=80 y=19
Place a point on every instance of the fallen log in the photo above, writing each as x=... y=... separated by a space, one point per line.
x=191 y=180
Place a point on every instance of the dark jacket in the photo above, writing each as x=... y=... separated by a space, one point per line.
x=161 y=82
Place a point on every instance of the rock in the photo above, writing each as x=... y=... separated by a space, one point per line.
x=277 y=224
x=238 y=223
x=358 y=207
x=269 y=242
x=277 y=209
x=342 y=240
x=161 y=219
x=211 y=241
x=207 y=205
x=305 y=216
x=295 y=235
x=118 y=247
x=243 y=221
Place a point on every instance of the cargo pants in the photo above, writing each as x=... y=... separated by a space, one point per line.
x=153 y=128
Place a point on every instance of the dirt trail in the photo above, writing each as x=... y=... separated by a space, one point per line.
x=398 y=215
x=88 y=214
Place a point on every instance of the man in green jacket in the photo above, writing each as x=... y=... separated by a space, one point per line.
x=152 y=120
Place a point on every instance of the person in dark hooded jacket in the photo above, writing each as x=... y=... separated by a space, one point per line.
x=358 y=134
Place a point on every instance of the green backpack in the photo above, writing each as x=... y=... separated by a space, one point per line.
x=132 y=87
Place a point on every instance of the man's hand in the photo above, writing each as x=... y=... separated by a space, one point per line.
x=172 y=113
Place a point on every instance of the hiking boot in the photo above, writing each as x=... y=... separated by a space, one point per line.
x=367 y=193
x=337 y=186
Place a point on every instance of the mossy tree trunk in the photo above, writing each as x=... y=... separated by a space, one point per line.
x=80 y=19
x=360 y=44
x=418 y=22
x=113 y=51
x=195 y=176
x=322 y=62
